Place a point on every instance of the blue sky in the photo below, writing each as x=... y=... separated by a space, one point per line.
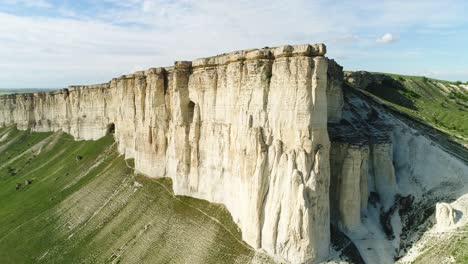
x=52 y=43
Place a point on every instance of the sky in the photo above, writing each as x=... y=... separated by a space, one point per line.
x=53 y=44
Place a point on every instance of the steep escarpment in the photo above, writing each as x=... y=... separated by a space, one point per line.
x=291 y=146
x=246 y=129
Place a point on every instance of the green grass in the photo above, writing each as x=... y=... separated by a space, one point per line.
x=421 y=98
x=93 y=210
x=442 y=246
x=414 y=77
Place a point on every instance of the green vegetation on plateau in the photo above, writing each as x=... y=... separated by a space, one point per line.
x=66 y=201
x=24 y=90
x=433 y=101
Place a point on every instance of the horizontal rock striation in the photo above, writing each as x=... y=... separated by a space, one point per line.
x=247 y=129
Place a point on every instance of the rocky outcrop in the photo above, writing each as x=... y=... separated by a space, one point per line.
x=247 y=129
x=444 y=214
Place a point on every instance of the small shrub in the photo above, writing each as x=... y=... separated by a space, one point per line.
x=11 y=171
x=458 y=82
x=458 y=95
x=424 y=79
x=401 y=79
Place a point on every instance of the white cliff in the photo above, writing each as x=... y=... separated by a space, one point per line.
x=247 y=129
x=250 y=129
x=349 y=183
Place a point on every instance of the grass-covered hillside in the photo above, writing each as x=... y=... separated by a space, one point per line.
x=449 y=247
x=441 y=104
x=66 y=201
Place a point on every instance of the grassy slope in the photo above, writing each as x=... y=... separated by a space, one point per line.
x=92 y=210
x=423 y=99
x=442 y=246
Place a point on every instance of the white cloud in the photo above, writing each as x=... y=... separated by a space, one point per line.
x=387 y=38
x=148 y=33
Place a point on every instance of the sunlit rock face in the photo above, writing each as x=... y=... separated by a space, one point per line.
x=247 y=129
x=444 y=215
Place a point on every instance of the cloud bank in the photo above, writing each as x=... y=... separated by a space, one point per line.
x=53 y=44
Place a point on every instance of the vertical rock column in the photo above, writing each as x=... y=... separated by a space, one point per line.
x=20 y=109
x=383 y=173
x=296 y=221
x=227 y=135
x=335 y=99
x=178 y=155
x=348 y=191
x=153 y=124
x=125 y=116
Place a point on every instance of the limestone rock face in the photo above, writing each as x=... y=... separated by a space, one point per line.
x=349 y=183
x=445 y=216
x=362 y=79
x=383 y=173
x=357 y=170
x=247 y=129
x=362 y=171
x=335 y=92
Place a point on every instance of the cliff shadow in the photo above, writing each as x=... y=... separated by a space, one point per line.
x=110 y=129
x=190 y=111
x=394 y=91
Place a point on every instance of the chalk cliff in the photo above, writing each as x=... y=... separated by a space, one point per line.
x=247 y=129
x=280 y=136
